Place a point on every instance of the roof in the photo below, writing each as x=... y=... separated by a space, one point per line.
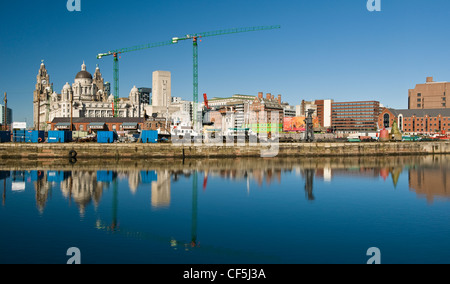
x=97 y=123
x=270 y=103
x=420 y=112
x=83 y=75
x=99 y=120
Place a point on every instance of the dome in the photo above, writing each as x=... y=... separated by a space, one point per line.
x=67 y=87
x=135 y=90
x=83 y=75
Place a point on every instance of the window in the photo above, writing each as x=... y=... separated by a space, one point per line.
x=419 y=100
x=419 y=105
x=419 y=94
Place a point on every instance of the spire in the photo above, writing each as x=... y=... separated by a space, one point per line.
x=83 y=67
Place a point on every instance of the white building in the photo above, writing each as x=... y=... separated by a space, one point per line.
x=88 y=96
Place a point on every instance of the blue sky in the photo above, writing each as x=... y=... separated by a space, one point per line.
x=324 y=49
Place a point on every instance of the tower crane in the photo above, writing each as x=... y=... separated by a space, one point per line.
x=116 y=55
x=195 y=38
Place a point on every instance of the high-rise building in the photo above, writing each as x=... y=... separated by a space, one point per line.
x=145 y=96
x=431 y=95
x=162 y=89
x=9 y=115
x=161 y=99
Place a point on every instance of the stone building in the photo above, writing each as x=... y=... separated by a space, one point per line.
x=88 y=96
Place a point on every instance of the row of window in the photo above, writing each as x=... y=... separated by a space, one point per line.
x=354 y=104
x=420 y=105
x=420 y=94
x=427 y=118
x=417 y=124
x=422 y=130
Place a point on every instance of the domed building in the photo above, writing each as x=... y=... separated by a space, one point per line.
x=89 y=95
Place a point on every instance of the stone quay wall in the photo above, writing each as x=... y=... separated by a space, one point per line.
x=185 y=151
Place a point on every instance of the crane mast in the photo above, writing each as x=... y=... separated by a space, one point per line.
x=195 y=38
x=115 y=54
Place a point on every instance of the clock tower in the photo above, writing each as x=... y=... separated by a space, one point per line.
x=41 y=98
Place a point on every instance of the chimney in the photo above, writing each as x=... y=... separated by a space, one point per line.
x=268 y=96
x=279 y=99
x=429 y=79
x=260 y=95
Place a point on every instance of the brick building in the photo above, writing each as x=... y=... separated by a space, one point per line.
x=431 y=95
x=266 y=114
x=420 y=121
x=94 y=124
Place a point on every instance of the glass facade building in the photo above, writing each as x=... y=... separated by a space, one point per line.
x=355 y=116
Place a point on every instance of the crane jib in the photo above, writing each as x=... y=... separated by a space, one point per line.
x=175 y=40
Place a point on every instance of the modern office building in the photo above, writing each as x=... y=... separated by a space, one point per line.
x=9 y=114
x=288 y=110
x=355 y=116
x=430 y=95
x=145 y=96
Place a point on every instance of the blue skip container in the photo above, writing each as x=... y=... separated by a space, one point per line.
x=5 y=136
x=149 y=136
x=106 y=136
x=59 y=136
x=34 y=136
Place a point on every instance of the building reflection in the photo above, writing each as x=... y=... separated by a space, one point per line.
x=430 y=183
x=87 y=187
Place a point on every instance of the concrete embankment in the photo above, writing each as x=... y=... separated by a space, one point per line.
x=168 y=150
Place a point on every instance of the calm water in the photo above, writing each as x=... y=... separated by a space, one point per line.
x=227 y=211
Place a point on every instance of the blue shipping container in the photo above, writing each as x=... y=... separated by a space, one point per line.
x=34 y=136
x=59 y=136
x=19 y=135
x=149 y=136
x=106 y=136
x=5 y=136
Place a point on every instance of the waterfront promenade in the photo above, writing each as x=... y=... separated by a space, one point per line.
x=168 y=150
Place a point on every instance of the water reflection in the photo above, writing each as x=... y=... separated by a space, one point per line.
x=427 y=176
x=195 y=190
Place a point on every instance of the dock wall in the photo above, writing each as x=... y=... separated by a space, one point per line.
x=168 y=150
